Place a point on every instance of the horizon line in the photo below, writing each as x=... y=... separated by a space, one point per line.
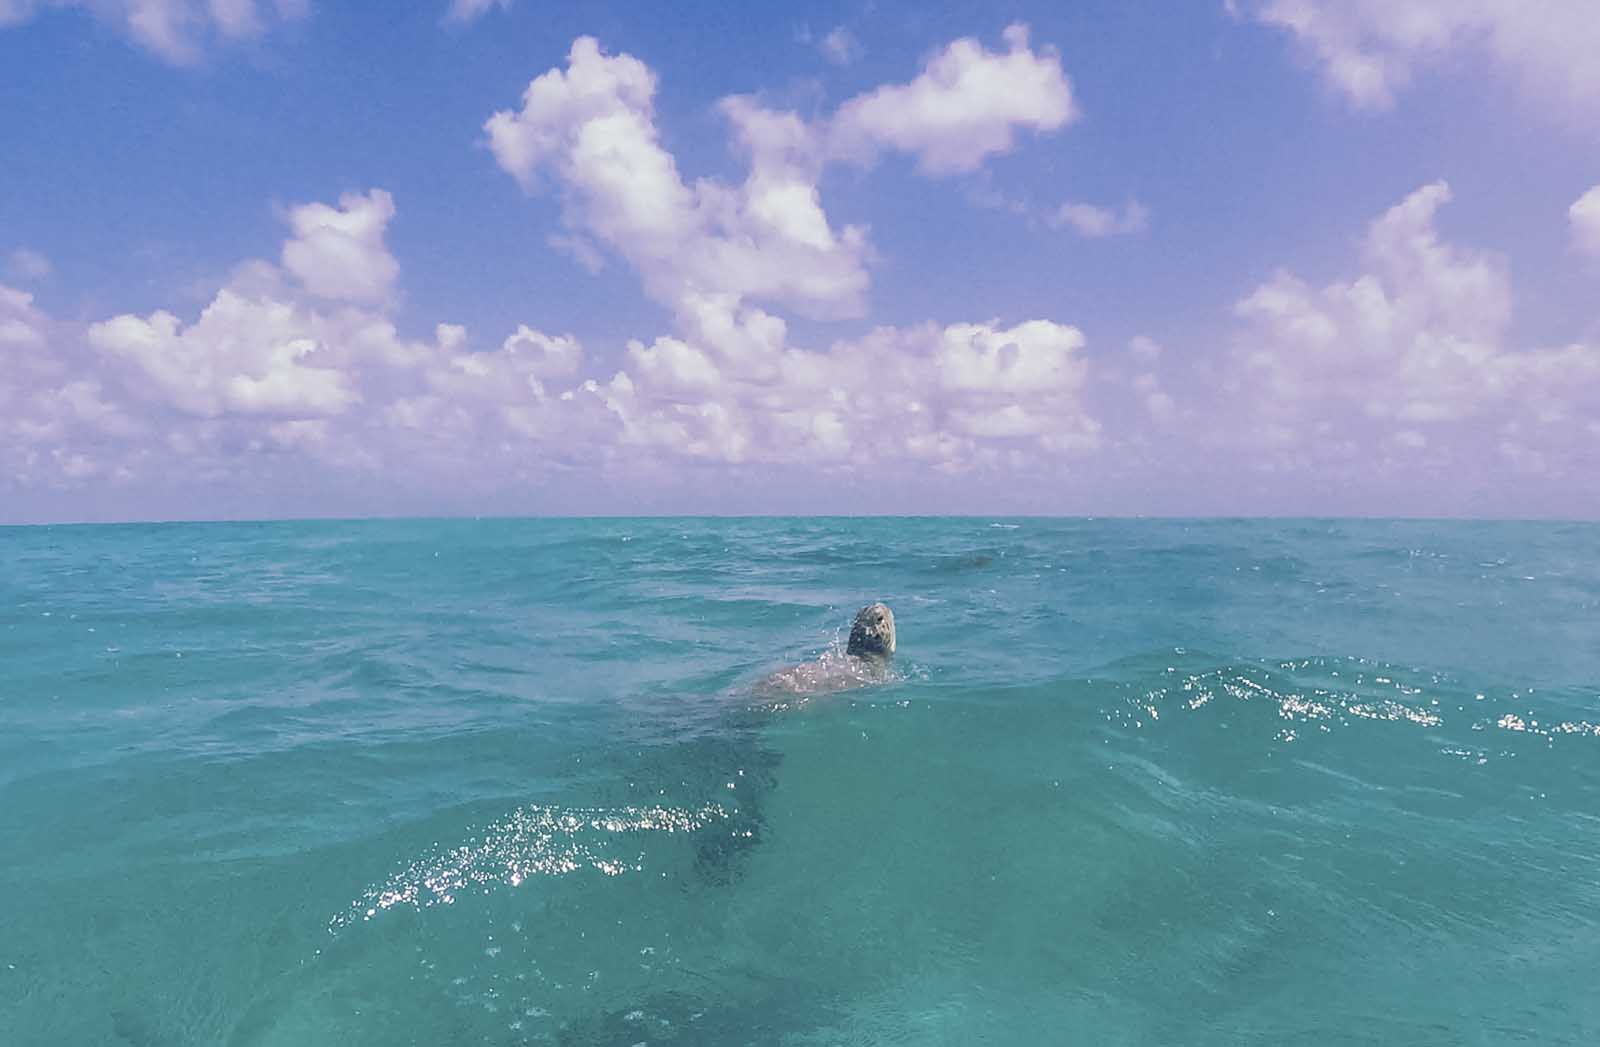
x=1084 y=517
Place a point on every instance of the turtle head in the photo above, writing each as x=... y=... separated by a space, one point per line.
x=872 y=633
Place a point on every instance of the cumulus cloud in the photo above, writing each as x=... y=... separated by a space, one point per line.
x=53 y=411
x=1415 y=338
x=953 y=398
x=517 y=373
x=339 y=253
x=177 y=31
x=273 y=370
x=589 y=129
x=1584 y=218
x=21 y=323
x=244 y=355
x=728 y=385
x=1418 y=342
x=1096 y=222
x=299 y=359
x=284 y=364
x=1368 y=50
x=592 y=125
x=265 y=345
x=966 y=105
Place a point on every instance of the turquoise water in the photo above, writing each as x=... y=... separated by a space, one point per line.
x=501 y=782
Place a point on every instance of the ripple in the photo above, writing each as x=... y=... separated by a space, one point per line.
x=535 y=840
x=1334 y=692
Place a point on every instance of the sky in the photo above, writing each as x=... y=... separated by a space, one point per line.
x=287 y=258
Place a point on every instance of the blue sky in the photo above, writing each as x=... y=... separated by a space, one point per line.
x=1262 y=257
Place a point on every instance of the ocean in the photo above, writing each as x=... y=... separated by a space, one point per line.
x=512 y=781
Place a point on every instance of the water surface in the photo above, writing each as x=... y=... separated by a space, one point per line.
x=502 y=782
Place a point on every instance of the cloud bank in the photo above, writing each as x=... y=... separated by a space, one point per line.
x=301 y=359
x=297 y=368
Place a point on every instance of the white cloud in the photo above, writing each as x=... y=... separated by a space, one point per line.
x=1414 y=339
x=607 y=99
x=53 y=416
x=175 y=30
x=954 y=397
x=300 y=360
x=1368 y=50
x=517 y=373
x=674 y=369
x=339 y=253
x=465 y=12
x=25 y=264
x=840 y=46
x=966 y=105
x=1095 y=222
x=243 y=355
x=21 y=323
x=728 y=385
x=768 y=239
x=1584 y=217
x=1417 y=341
x=1031 y=356
x=265 y=345
x=271 y=372
x=593 y=125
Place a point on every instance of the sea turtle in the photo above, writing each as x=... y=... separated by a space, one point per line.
x=865 y=660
